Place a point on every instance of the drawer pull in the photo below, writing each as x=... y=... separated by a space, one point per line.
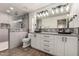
x=46 y=45
x=46 y=50
x=46 y=41
x=46 y=36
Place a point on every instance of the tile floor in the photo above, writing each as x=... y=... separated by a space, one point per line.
x=23 y=52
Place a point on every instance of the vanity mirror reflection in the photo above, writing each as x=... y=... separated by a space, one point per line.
x=62 y=23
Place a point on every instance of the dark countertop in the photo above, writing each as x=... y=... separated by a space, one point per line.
x=49 y=33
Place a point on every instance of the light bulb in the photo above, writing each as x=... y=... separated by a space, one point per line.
x=44 y=14
x=67 y=8
x=52 y=12
x=57 y=11
x=62 y=9
x=47 y=13
x=38 y=15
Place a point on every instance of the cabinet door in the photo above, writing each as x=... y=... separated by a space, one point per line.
x=45 y=43
x=52 y=45
x=59 y=45
x=38 y=39
x=71 y=46
x=33 y=40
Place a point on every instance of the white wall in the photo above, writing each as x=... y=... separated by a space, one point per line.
x=26 y=23
x=5 y=18
x=16 y=38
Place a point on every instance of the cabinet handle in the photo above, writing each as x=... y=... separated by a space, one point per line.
x=46 y=50
x=65 y=39
x=46 y=36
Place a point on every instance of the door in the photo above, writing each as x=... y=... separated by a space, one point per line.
x=59 y=45
x=71 y=44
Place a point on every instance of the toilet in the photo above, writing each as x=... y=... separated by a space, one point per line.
x=26 y=42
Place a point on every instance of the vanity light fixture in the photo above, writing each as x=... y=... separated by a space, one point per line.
x=46 y=12
x=41 y=14
x=38 y=15
x=62 y=9
x=57 y=10
x=67 y=7
x=53 y=11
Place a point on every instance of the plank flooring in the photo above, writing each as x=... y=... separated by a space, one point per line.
x=23 y=52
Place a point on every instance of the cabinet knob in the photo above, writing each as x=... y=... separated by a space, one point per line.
x=46 y=50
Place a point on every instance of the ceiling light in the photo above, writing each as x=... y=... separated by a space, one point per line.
x=11 y=8
x=8 y=11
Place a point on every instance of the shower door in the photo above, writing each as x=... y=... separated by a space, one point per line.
x=4 y=39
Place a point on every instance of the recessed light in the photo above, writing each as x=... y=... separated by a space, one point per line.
x=8 y=11
x=11 y=8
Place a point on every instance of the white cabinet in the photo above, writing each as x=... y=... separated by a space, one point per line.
x=55 y=44
x=65 y=45
x=59 y=45
x=35 y=40
x=47 y=43
x=71 y=46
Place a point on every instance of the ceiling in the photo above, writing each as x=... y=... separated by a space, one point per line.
x=21 y=7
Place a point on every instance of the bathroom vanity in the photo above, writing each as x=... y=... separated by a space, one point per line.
x=55 y=44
